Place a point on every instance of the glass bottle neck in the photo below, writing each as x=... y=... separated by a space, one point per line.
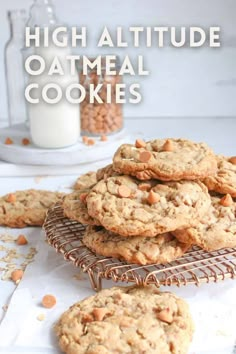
x=17 y=24
x=17 y=31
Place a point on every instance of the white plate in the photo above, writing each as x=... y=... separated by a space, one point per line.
x=73 y=155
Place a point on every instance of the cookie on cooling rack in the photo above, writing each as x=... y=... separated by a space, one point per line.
x=217 y=229
x=127 y=320
x=75 y=207
x=86 y=180
x=130 y=207
x=27 y=207
x=166 y=159
x=225 y=179
x=163 y=248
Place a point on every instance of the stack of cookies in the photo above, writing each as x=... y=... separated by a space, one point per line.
x=156 y=200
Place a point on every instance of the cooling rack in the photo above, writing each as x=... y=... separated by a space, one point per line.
x=194 y=267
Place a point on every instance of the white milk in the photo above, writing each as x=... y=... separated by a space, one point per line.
x=53 y=125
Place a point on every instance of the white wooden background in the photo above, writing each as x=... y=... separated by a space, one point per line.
x=183 y=82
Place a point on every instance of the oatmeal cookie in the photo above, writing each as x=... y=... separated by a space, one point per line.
x=27 y=207
x=163 y=248
x=166 y=159
x=86 y=180
x=105 y=172
x=132 y=320
x=217 y=228
x=225 y=180
x=75 y=207
x=130 y=207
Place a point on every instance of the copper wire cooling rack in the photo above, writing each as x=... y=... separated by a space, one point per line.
x=194 y=267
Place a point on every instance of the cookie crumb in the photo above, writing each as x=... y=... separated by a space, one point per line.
x=49 y=301
x=21 y=240
x=139 y=143
x=25 y=141
x=17 y=275
x=41 y=317
x=8 y=141
x=103 y=138
x=5 y=307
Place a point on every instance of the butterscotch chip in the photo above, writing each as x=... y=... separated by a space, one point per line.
x=132 y=325
x=103 y=138
x=181 y=203
x=8 y=141
x=145 y=156
x=186 y=160
x=233 y=160
x=224 y=181
x=25 y=141
x=27 y=207
x=226 y=200
x=11 y=198
x=139 y=143
x=165 y=316
x=153 y=197
x=168 y=146
x=17 y=275
x=99 y=313
x=163 y=248
x=21 y=240
x=84 y=139
x=49 y=301
x=124 y=191
x=90 y=142
x=215 y=230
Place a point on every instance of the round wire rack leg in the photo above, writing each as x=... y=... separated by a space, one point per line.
x=95 y=280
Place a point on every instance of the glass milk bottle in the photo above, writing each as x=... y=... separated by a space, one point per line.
x=51 y=125
x=14 y=68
